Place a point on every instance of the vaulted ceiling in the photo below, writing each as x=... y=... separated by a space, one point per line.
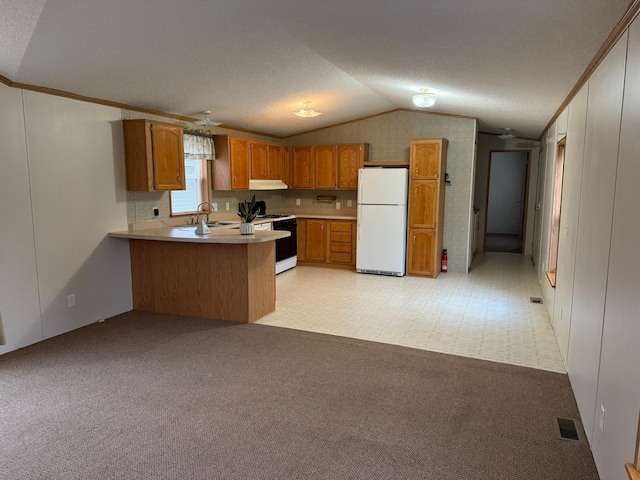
x=510 y=63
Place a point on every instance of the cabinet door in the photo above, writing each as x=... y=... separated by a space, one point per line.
x=350 y=160
x=286 y=166
x=425 y=161
x=316 y=240
x=302 y=240
x=420 y=254
x=325 y=166
x=258 y=161
x=302 y=170
x=168 y=157
x=239 y=163
x=423 y=212
x=274 y=162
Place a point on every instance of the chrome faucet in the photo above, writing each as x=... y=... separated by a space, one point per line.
x=198 y=212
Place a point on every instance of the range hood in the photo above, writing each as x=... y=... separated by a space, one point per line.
x=267 y=185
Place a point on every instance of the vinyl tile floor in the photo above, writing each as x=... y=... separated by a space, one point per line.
x=486 y=314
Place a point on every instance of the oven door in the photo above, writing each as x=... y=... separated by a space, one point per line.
x=287 y=248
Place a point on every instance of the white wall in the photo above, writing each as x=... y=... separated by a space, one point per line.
x=594 y=228
x=19 y=305
x=67 y=165
x=619 y=374
x=598 y=281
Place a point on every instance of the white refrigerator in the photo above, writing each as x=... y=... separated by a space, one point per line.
x=382 y=221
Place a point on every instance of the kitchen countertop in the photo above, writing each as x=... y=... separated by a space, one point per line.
x=326 y=217
x=223 y=234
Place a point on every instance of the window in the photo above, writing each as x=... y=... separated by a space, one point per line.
x=197 y=150
x=556 y=210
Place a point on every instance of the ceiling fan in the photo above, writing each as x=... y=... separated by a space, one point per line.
x=207 y=122
x=507 y=135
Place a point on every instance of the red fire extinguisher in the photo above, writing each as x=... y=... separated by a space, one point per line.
x=445 y=259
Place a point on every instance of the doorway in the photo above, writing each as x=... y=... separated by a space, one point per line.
x=506 y=201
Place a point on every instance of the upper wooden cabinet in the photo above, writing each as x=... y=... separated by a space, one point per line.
x=231 y=165
x=258 y=160
x=154 y=155
x=302 y=166
x=286 y=166
x=266 y=161
x=324 y=159
x=425 y=159
x=328 y=167
x=351 y=158
x=274 y=162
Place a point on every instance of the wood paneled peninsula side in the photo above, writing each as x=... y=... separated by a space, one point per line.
x=222 y=275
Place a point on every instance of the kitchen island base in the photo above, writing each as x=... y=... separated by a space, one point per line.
x=221 y=281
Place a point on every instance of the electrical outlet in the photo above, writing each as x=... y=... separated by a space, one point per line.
x=297 y=202
x=601 y=421
x=214 y=206
x=338 y=205
x=349 y=203
x=156 y=211
x=227 y=205
x=71 y=300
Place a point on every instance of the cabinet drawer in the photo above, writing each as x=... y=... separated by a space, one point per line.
x=340 y=257
x=341 y=237
x=341 y=226
x=341 y=247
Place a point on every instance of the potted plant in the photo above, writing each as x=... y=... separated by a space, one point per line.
x=248 y=212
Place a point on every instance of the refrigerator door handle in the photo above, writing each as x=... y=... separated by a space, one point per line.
x=359 y=220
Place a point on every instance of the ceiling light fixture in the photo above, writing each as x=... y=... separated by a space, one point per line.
x=507 y=135
x=306 y=111
x=425 y=99
x=207 y=122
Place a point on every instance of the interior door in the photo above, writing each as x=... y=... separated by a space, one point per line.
x=505 y=208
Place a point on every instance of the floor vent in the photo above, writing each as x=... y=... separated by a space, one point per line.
x=535 y=300
x=567 y=428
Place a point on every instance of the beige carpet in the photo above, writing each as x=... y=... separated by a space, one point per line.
x=146 y=396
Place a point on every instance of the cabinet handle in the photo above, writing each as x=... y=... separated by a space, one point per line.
x=322 y=228
x=415 y=191
x=414 y=239
x=416 y=170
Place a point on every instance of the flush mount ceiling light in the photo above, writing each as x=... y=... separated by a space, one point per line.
x=306 y=111
x=207 y=122
x=507 y=135
x=425 y=99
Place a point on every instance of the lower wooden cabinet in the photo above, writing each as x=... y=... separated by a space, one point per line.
x=316 y=241
x=421 y=254
x=327 y=243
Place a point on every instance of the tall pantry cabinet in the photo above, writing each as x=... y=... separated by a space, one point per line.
x=426 y=206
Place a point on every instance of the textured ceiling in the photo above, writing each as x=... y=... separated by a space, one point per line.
x=511 y=63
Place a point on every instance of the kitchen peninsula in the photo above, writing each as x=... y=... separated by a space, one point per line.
x=221 y=275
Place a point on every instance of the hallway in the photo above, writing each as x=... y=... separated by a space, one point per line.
x=486 y=314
